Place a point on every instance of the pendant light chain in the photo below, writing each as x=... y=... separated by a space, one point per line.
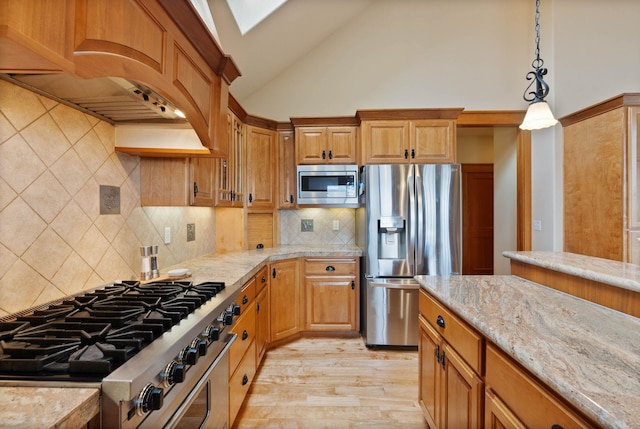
x=537 y=62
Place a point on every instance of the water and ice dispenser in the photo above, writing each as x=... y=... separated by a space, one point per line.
x=392 y=237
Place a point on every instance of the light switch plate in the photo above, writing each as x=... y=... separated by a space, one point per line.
x=306 y=225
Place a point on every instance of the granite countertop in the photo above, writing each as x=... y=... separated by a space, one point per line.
x=72 y=407
x=47 y=407
x=587 y=353
x=620 y=274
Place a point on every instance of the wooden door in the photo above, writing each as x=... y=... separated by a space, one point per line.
x=286 y=170
x=311 y=143
x=284 y=300
x=261 y=168
x=385 y=142
x=497 y=415
x=432 y=141
x=331 y=304
x=477 y=219
x=202 y=181
x=429 y=373
x=342 y=145
x=262 y=324
x=462 y=394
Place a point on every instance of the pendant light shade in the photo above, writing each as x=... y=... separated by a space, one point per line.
x=538 y=116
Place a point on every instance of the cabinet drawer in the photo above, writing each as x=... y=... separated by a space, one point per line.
x=240 y=382
x=245 y=328
x=466 y=341
x=531 y=403
x=247 y=295
x=262 y=279
x=331 y=267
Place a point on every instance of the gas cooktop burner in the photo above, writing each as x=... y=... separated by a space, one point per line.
x=86 y=337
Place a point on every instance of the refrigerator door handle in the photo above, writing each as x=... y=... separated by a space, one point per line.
x=389 y=285
x=419 y=231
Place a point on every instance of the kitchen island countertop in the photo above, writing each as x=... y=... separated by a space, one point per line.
x=621 y=274
x=587 y=353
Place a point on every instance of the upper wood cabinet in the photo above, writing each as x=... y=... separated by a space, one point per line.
x=287 y=194
x=408 y=136
x=326 y=145
x=330 y=140
x=159 y=43
x=262 y=168
x=601 y=170
x=36 y=36
x=176 y=181
x=230 y=170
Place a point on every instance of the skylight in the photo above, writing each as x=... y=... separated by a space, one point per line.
x=249 y=13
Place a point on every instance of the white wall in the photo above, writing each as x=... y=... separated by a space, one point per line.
x=471 y=54
x=504 y=197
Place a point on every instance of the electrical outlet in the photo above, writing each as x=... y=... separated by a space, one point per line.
x=336 y=225
x=191 y=232
x=537 y=225
x=306 y=225
x=167 y=234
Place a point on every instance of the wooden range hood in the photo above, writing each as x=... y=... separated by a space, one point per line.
x=161 y=45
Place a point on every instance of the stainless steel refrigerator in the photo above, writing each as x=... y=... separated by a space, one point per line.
x=409 y=223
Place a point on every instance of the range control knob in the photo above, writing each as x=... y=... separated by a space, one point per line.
x=200 y=345
x=212 y=332
x=149 y=399
x=173 y=373
x=236 y=310
x=188 y=355
x=227 y=318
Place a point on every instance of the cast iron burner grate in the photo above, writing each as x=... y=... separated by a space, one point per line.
x=88 y=336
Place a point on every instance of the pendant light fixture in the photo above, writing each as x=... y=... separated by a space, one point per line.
x=538 y=114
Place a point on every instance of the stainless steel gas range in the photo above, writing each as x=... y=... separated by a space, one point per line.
x=158 y=351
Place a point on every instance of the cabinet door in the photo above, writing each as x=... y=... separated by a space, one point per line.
x=463 y=391
x=342 y=145
x=385 y=142
x=286 y=170
x=202 y=183
x=164 y=182
x=262 y=324
x=284 y=300
x=40 y=41
x=311 y=145
x=331 y=303
x=497 y=415
x=429 y=373
x=229 y=175
x=261 y=168
x=432 y=140
x=633 y=188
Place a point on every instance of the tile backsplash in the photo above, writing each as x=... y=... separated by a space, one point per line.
x=53 y=239
x=323 y=233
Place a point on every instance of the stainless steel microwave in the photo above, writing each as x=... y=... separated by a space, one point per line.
x=328 y=185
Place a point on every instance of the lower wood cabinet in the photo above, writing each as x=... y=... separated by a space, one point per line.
x=459 y=371
x=332 y=294
x=242 y=354
x=514 y=399
x=285 y=300
x=262 y=313
x=450 y=391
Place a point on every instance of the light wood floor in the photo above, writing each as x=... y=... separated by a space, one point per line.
x=334 y=383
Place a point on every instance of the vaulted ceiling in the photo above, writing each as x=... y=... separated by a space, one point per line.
x=281 y=39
